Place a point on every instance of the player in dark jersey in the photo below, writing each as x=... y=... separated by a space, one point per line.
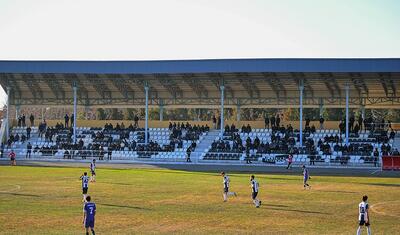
x=85 y=185
x=89 y=212
x=363 y=217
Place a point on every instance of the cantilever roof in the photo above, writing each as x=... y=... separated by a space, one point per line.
x=184 y=83
x=204 y=66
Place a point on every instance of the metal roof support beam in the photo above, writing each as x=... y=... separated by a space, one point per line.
x=275 y=83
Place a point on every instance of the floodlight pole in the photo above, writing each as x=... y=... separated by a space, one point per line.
x=75 y=112
x=222 y=108
x=7 y=115
x=146 y=122
x=347 y=113
x=301 y=89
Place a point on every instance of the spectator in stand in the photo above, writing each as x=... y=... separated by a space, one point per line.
x=214 y=120
x=28 y=150
x=278 y=120
x=23 y=120
x=351 y=123
x=360 y=122
x=308 y=122
x=219 y=122
x=342 y=127
x=12 y=157
x=72 y=120
x=32 y=119
x=28 y=132
x=188 y=152
x=272 y=121
x=376 y=157
x=266 y=122
x=136 y=119
x=66 y=120
x=321 y=122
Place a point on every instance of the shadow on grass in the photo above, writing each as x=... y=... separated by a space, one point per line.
x=335 y=191
x=20 y=194
x=274 y=205
x=380 y=184
x=123 y=206
x=300 y=211
x=125 y=184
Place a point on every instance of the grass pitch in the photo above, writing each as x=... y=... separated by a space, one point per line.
x=47 y=200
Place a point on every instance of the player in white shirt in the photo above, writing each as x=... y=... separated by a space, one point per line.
x=85 y=185
x=93 y=171
x=226 y=182
x=363 y=216
x=254 y=191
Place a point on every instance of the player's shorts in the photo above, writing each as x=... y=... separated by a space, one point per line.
x=305 y=180
x=89 y=223
x=362 y=222
x=254 y=195
x=93 y=173
x=84 y=190
x=226 y=189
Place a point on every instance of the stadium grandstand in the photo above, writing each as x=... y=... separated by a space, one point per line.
x=214 y=84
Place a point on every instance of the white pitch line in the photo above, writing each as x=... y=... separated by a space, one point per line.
x=16 y=188
x=375 y=172
x=382 y=212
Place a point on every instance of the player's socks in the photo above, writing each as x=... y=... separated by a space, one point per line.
x=359 y=230
x=93 y=232
x=225 y=197
x=368 y=230
x=87 y=233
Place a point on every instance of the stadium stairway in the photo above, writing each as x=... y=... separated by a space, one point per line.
x=396 y=142
x=205 y=144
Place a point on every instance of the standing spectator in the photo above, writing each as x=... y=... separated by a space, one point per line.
x=360 y=122
x=321 y=122
x=23 y=120
x=19 y=121
x=278 y=121
x=272 y=121
x=72 y=120
x=351 y=122
x=376 y=157
x=28 y=150
x=12 y=157
x=188 y=152
x=28 y=132
x=219 y=122
x=214 y=120
x=266 y=122
x=32 y=119
x=66 y=119
x=136 y=119
x=308 y=122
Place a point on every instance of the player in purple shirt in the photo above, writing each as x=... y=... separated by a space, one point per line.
x=89 y=212
x=306 y=177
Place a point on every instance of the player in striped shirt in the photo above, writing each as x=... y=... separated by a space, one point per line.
x=93 y=171
x=254 y=191
x=226 y=182
x=85 y=185
x=363 y=217
x=306 y=177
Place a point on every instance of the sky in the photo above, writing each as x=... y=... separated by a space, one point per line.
x=197 y=29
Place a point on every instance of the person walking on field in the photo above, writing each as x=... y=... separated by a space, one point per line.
x=12 y=158
x=290 y=160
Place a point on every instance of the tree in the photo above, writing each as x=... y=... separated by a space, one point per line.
x=101 y=114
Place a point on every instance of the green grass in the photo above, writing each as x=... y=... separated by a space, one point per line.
x=47 y=200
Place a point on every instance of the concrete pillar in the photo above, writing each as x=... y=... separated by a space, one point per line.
x=146 y=123
x=347 y=113
x=301 y=89
x=222 y=109
x=75 y=112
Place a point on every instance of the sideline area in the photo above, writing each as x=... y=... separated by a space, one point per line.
x=204 y=167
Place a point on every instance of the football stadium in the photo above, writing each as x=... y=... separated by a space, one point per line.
x=248 y=145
